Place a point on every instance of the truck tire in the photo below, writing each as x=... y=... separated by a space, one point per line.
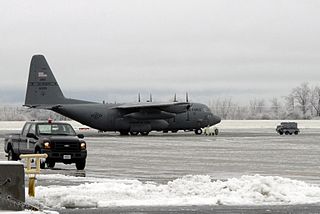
x=81 y=164
x=280 y=133
x=51 y=164
x=11 y=155
x=216 y=131
x=287 y=132
x=296 y=132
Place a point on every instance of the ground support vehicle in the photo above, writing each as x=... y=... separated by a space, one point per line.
x=288 y=128
x=211 y=130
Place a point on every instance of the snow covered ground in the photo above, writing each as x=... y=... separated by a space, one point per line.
x=188 y=190
x=248 y=164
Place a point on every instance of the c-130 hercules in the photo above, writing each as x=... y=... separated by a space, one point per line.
x=43 y=92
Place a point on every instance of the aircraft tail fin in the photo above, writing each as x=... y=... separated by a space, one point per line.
x=42 y=87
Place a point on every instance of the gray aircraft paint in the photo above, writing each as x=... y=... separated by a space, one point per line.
x=43 y=92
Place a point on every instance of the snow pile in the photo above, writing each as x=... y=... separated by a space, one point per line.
x=188 y=190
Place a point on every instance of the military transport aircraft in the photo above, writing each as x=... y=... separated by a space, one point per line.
x=43 y=92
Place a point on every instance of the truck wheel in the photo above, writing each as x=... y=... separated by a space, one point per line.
x=51 y=164
x=198 y=131
x=286 y=132
x=42 y=163
x=216 y=131
x=11 y=155
x=280 y=133
x=81 y=164
x=296 y=132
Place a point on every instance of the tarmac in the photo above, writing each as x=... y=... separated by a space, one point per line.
x=164 y=157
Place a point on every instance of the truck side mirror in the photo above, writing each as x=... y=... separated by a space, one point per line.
x=80 y=136
x=31 y=135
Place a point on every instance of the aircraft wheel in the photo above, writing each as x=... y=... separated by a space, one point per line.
x=134 y=133
x=124 y=133
x=144 y=133
x=198 y=131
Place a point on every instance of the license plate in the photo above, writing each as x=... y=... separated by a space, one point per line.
x=67 y=157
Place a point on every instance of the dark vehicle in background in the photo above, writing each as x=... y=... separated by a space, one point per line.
x=288 y=128
x=58 y=140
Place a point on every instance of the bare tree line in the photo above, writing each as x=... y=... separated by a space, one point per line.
x=14 y=113
x=303 y=102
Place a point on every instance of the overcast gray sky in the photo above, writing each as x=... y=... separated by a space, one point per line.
x=114 y=49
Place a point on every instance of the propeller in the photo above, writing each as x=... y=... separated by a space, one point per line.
x=175 y=98
x=188 y=107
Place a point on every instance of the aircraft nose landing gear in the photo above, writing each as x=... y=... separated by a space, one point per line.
x=198 y=131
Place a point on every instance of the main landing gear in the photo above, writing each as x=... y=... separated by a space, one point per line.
x=124 y=133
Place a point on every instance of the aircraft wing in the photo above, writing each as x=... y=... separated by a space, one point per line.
x=152 y=110
x=152 y=105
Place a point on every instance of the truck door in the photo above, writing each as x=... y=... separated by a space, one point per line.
x=31 y=141
x=23 y=139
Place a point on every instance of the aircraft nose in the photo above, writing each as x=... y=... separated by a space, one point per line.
x=215 y=120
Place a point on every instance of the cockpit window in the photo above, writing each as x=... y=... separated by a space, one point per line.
x=206 y=109
x=55 y=129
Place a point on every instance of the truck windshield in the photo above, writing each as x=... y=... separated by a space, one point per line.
x=55 y=129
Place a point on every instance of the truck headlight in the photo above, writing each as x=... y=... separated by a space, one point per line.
x=83 y=146
x=46 y=145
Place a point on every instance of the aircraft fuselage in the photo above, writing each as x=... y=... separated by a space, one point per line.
x=105 y=117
